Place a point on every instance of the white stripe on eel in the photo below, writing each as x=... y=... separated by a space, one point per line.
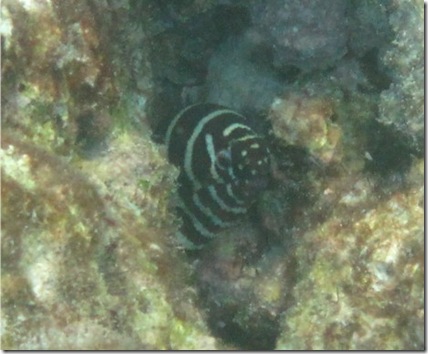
x=230 y=193
x=213 y=156
x=208 y=212
x=203 y=231
x=232 y=127
x=174 y=123
x=189 y=147
x=222 y=204
x=186 y=243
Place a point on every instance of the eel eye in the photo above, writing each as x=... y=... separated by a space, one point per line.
x=224 y=159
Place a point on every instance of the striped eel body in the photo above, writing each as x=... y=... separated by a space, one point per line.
x=224 y=166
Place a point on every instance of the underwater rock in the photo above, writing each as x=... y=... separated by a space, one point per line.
x=305 y=121
x=163 y=15
x=402 y=104
x=235 y=80
x=368 y=26
x=63 y=70
x=180 y=38
x=305 y=34
x=243 y=291
x=184 y=35
x=88 y=257
x=92 y=260
x=361 y=272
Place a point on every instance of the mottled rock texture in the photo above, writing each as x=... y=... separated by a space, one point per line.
x=361 y=272
x=401 y=104
x=88 y=261
x=306 y=34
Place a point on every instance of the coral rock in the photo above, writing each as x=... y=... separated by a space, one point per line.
x=305 y=34
x=306 y=122
x=361 y=274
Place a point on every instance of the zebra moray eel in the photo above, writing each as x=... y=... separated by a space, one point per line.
x=224 y=165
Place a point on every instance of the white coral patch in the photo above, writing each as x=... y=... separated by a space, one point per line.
x=17 y=167
x=42 y=275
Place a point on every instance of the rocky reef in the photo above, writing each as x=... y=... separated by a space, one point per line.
x=87 y=249
x=400 y=104
x=362 y=273
x=79 y=263
x=331 y=257
x=308 y=35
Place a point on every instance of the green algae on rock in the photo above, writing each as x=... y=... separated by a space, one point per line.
x=88 y=257
x=81 y=259
x=361 y=275
x=64 y=72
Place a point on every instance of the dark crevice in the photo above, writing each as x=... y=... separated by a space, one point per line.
x=180 y=50
x=390 y=153
x=372 y=70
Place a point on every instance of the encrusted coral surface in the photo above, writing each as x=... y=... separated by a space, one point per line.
x=83 y=261
x=361 y=272
x=306 y=121
x=402 y=103
x=88 y=261
x=331 y=257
